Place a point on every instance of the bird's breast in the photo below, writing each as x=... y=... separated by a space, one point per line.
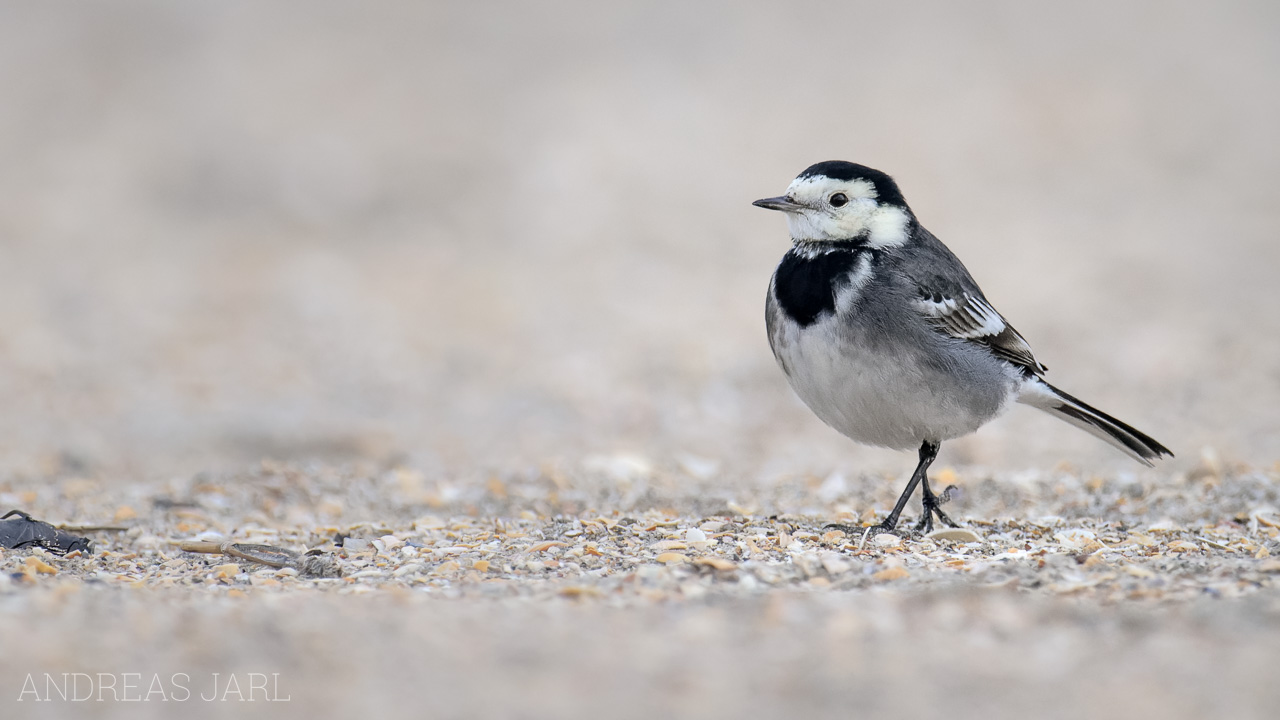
x=869 y=369
x=811 y=285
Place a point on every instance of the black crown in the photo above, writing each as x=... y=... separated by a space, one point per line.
x=887 y=191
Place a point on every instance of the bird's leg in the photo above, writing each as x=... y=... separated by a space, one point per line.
x=928 y=451
x=931 y=504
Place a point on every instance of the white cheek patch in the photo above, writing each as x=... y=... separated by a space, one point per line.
x=887 y=227
x=883 y=226
x=807 y=225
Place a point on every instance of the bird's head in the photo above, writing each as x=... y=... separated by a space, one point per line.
x=837 y=200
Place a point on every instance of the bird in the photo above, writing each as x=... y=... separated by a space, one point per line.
x=886 y=337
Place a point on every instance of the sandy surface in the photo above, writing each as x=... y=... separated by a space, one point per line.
x=462 y=282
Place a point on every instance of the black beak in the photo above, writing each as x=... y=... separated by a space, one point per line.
x=784 y=203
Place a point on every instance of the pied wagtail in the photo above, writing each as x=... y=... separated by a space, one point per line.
x=883 y=333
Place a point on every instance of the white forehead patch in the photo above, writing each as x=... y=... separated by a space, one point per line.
x=820 y=187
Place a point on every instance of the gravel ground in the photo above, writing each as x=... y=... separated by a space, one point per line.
x=477 y=290
x=538 y=596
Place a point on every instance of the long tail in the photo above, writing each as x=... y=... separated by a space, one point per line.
x=1132 y=442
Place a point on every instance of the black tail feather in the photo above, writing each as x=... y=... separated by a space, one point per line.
x=1125 y=437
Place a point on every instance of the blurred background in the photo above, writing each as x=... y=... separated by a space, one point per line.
x=419 y=249
x=495 y=235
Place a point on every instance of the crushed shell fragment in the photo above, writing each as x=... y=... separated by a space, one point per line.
x=716 y=563
x=35 y=564
x=893 y=573
x=964 y=535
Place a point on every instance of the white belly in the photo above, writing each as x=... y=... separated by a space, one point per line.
x=884 y=398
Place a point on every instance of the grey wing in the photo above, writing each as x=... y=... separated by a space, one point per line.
x=951 y=301
x=968 y=316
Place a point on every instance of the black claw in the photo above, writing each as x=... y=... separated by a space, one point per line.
x=865 y=533
x=930 y=508
x=943 y=517
x=945 y=496
x=884 y=528
x=925 y=526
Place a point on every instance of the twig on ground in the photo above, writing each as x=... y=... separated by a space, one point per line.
x=269 y=555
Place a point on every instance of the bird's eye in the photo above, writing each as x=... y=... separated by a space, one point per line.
x=838 y=200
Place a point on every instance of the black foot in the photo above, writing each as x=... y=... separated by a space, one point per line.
x=932 y=505
x=846 y=529
x=868 y=532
